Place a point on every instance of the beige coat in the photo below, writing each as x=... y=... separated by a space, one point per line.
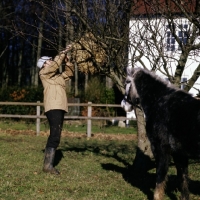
x=54 y=84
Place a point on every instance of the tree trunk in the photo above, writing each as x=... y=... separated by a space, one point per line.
x=109 y=82
x=69 y=35
x=60 y=44
x=19 y=64
x=76 y=80
x=33 y=66
x=143 y=159
x=4 y=76
x=86 y=81
x=84 y=7
x=39 y=46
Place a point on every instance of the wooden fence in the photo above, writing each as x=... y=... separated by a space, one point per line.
x=39 y=116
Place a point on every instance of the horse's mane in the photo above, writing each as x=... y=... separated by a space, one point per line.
x=153 y=75
x=147 y=79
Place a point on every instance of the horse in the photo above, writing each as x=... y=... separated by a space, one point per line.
x=172 y=124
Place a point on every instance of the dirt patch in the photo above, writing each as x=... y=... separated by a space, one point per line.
x=100 y=136
x=103 y=136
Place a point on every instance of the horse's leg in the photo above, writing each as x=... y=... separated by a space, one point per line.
x=162 y=165
x=181 y=162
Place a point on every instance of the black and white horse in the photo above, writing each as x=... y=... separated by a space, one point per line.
x=172 y=124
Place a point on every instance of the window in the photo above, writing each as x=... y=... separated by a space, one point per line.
x=181 y=32
x=183 y=83
x=170 y=40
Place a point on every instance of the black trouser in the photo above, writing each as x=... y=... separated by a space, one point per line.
x=55 y=118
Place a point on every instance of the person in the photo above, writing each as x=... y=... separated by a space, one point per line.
x=55 y=101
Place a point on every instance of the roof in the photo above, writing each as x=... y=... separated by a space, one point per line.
x=153 y=7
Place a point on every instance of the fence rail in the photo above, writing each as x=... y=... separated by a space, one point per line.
x=39 y=116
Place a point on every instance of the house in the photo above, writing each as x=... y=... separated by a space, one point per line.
x=163 y=36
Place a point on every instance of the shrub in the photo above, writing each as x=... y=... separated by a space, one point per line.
x=16 y=94
x=97 y=93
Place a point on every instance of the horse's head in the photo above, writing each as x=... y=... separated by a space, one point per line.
x=131 y=97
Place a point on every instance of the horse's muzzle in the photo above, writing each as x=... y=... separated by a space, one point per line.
x=126 y=106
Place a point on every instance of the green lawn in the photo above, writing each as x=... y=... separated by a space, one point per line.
x=79 y=126
x=91 y=169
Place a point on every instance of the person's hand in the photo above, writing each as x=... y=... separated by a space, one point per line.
x=67 y=49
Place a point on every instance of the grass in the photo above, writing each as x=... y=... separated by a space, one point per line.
x=84 y=167
x=94 y=169
x=79 y=126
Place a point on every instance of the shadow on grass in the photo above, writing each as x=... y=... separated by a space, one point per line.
x=143 y=181
x=146 y=181
x=58 y=156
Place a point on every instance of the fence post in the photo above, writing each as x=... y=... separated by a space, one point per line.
x=89 y=121
x=38 y=119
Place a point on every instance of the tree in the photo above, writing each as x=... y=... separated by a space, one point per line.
x=164 y=37
x=6 y=17
x=148 y=46
x=150 y=38
x=101 y=29
x=107 y=22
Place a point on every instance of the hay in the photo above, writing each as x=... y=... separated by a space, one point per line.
x=88 y=54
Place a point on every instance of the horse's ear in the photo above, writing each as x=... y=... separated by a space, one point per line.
x=130 y=71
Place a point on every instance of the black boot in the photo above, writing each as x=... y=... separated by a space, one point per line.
x=48 y=161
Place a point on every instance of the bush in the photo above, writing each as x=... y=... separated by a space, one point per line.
x=16 y=94
x=97 y=93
